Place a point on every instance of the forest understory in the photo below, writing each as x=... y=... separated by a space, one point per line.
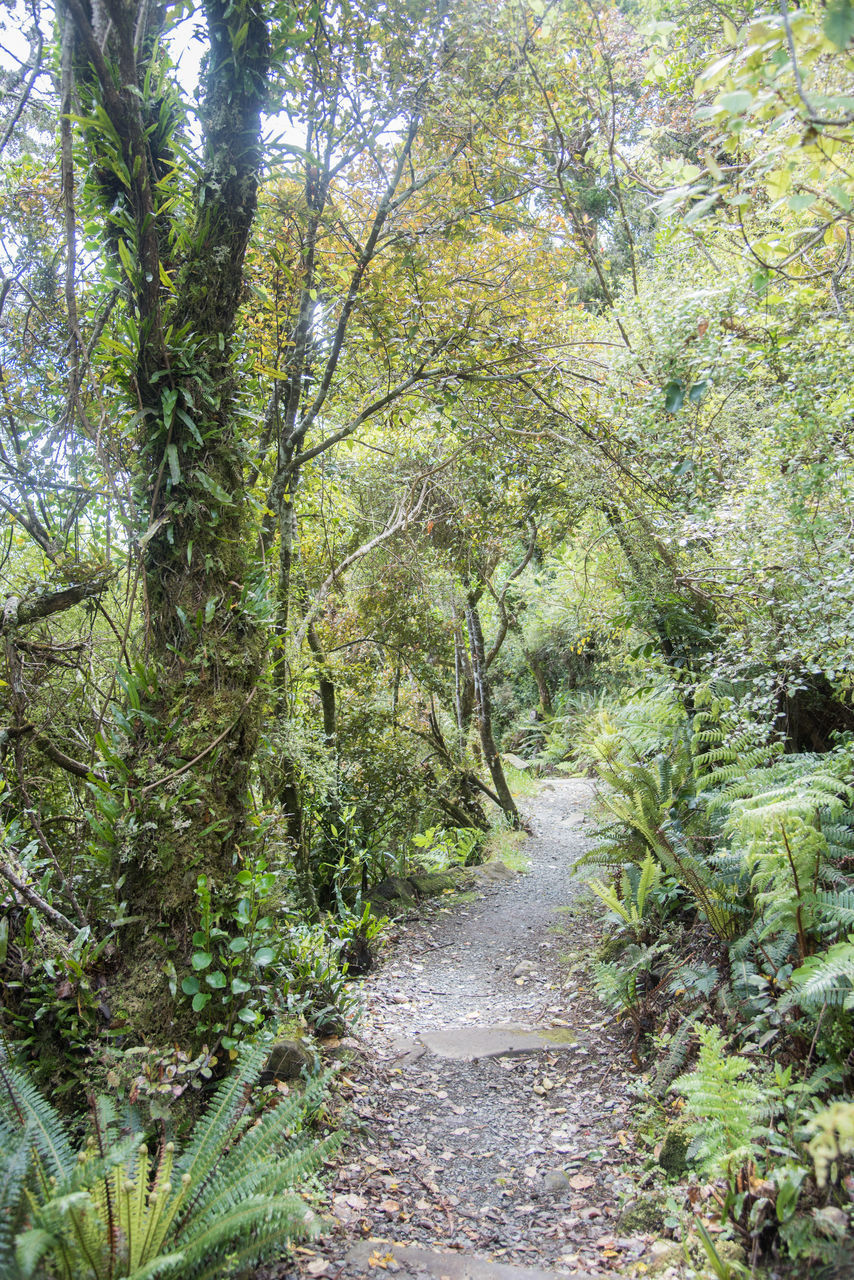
x=411 y=412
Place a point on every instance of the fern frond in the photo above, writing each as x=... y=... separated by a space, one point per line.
x=674 y=1059
x=837 y=908
x=25 y=1107
x=224 y=1112
x=722 y=1105
x=15 y=1161
x=611 y=854
x=827 y=978
x=260 y=1220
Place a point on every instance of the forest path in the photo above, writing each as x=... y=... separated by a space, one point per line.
x=481 y=1162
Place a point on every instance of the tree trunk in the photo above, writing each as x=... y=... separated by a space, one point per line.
x=484 y=713
x=194 y=709
x=538 y=672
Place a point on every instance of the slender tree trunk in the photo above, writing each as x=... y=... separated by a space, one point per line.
x=537 y=671
x=484 y=712
x=326 y=689
x=464 y=693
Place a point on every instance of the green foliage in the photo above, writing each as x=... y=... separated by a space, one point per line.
x=635 y=886
x=441 y=847
x=827 y=978
x=832 y=1139
x=313 y=977
x=112 y=1209
x=723 y=1103
x=627 y=983
x=654 y=805
x=233 y=949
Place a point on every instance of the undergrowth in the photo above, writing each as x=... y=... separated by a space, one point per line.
x=725 y=868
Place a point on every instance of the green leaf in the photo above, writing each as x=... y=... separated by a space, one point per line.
x=246 y=1014
x=839 y=23
x=738 y=101
x=201 y=959
x=263 y=956
x=797 y=203
x=190 y=425
x=190 y=986
x=200 y=1000
x=239 y=987
x=674 y=396
x=125 y=257
x=214 y=489
x=238 y=944
x=697 y=392
x=215 y=979
x=169 y=399
x=174 y=464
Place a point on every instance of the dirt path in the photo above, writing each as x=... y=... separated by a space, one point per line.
x=509 y=1164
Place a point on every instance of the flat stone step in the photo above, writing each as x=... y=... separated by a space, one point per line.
x=468 y=1043
x=417 y=1262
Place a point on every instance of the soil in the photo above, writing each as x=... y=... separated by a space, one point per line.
x=460 y=1142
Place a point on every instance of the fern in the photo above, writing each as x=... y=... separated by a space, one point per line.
x=722 y=1106
x=717 y=895
x=112 y=1210
x=674 y=1060
x=837 y=909
x=624 y=984
x=15 y=1163
x=827 y=978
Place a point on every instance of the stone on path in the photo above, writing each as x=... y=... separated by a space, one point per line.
x=416 y=1261
x=467 y=1043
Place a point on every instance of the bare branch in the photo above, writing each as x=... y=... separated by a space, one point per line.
x=26 y=890
x=398 y=522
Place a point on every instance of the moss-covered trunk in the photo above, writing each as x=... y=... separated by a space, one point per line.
x=194 y=709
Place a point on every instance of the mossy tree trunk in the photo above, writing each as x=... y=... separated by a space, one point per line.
x=195 y=712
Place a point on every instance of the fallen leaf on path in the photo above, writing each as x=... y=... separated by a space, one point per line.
x=580 y=1182
x=317 y=1267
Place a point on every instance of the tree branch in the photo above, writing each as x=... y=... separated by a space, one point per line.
x=26 y=890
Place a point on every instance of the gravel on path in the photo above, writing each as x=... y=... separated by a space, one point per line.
x=518 y=1158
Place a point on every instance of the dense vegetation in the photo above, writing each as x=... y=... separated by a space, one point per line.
x=437 y=384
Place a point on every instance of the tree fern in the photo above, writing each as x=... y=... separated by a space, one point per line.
x=114 y=1210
